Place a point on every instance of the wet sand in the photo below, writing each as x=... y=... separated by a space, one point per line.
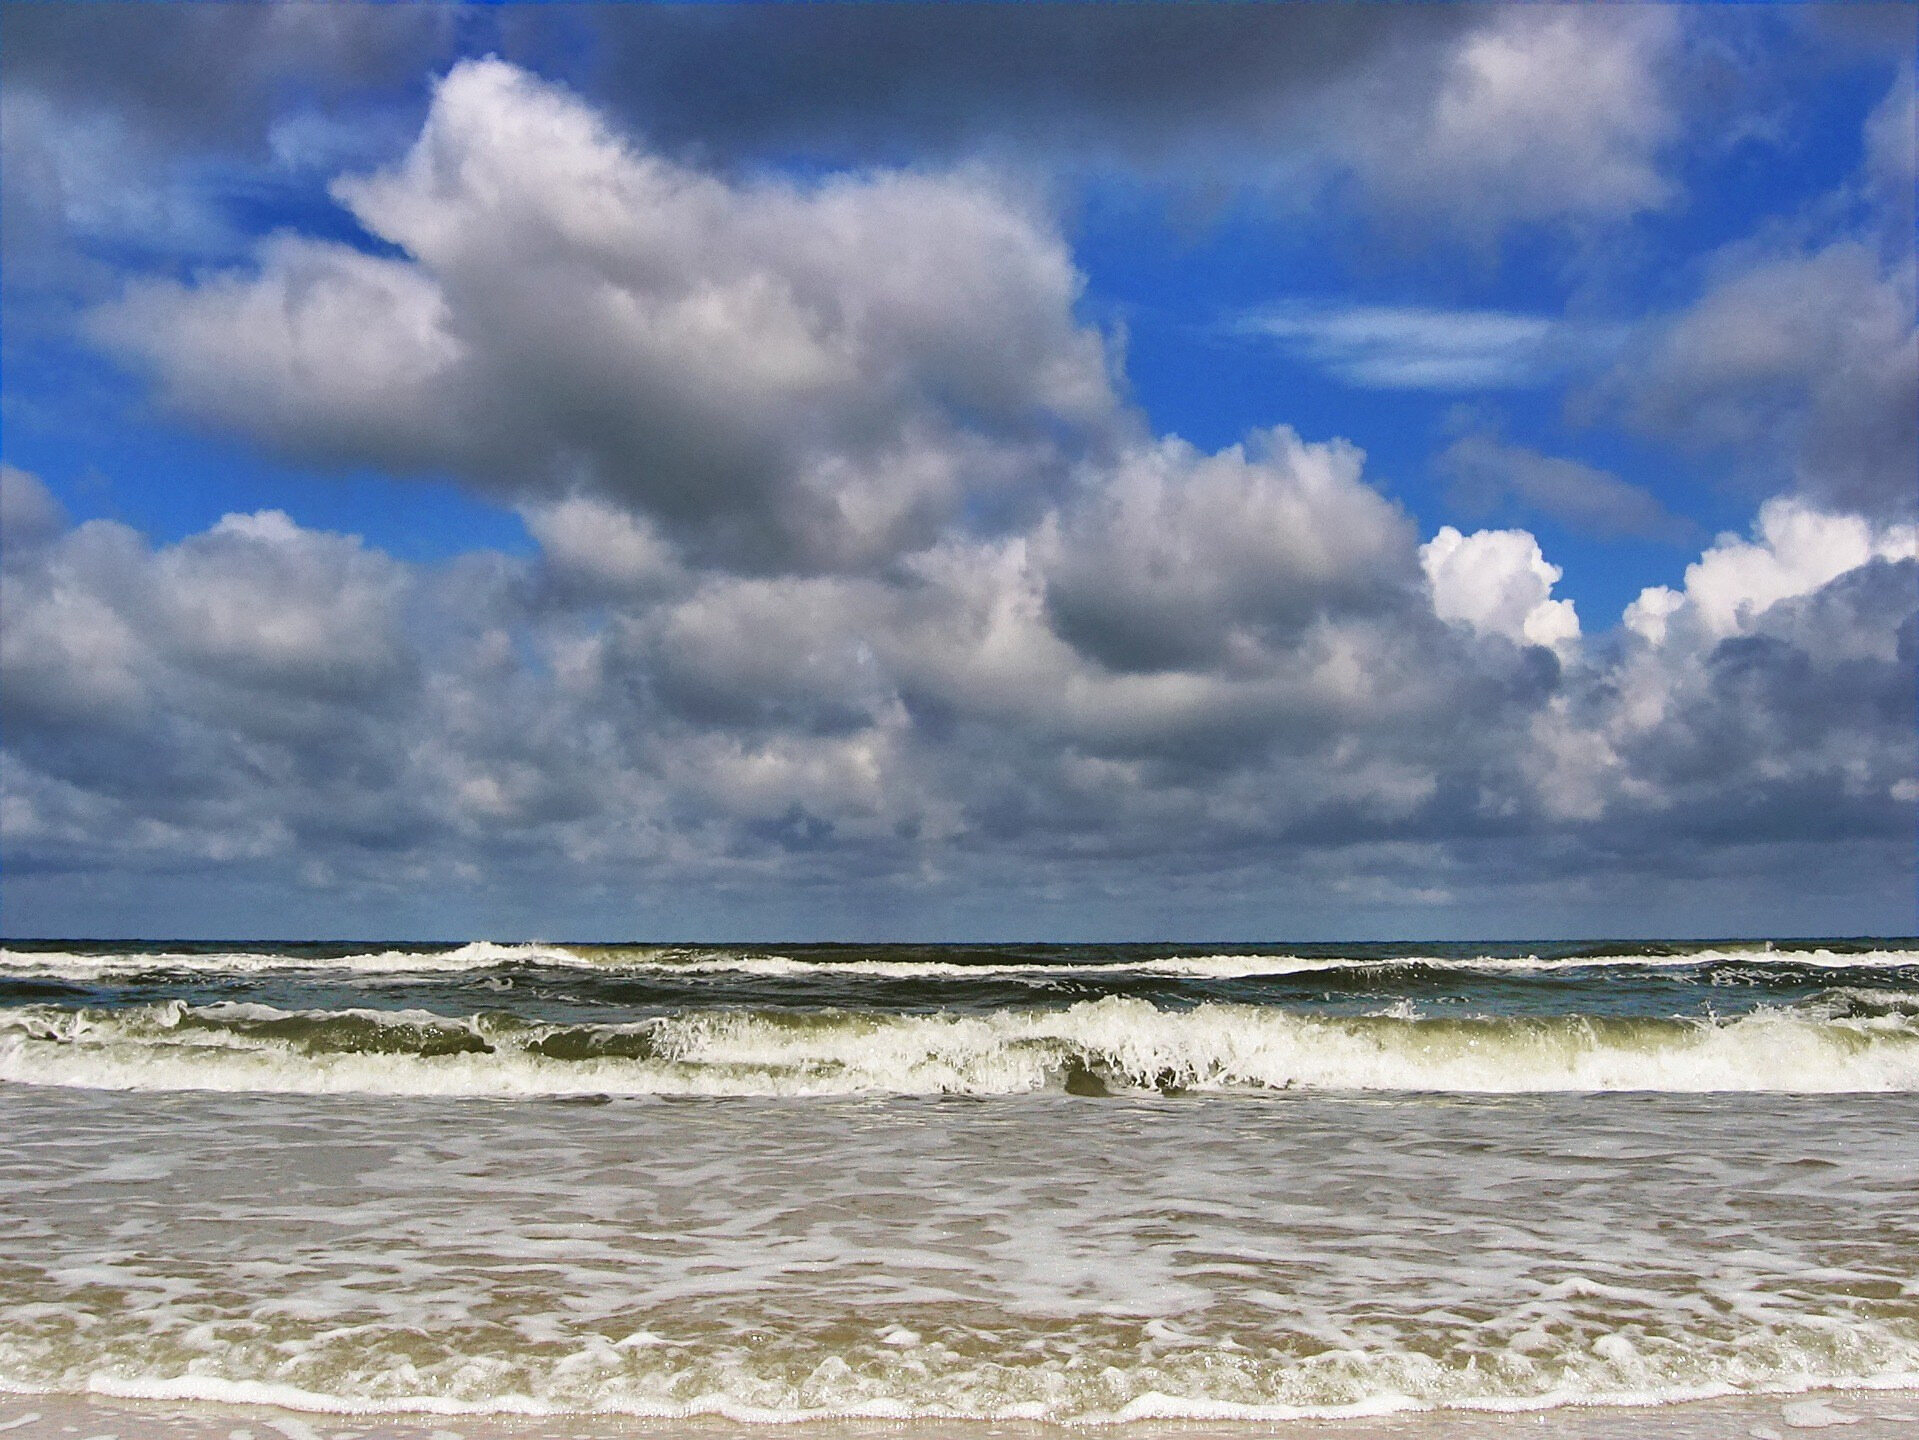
x=1855 y=1414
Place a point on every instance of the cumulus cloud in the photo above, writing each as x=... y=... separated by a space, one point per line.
x=780 y=374
x=209 y=701
x=327 y=352
x=590 y=543
x=254 y=603
x=1538 y=113
x=333 y=705
x=28 y=513
x=1796 y=551
x=258 y=599
x=1001 y=710
x=1478 y=118
x=1178 y=560
x=1772 y=695
x=1498 y=583
x=1808 y=361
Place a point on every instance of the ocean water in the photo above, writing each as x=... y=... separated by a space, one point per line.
x=1079 y=1184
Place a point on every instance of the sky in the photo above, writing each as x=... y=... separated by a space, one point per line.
x=958 y=471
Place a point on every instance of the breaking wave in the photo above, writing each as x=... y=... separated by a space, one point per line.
x=1848 y=1041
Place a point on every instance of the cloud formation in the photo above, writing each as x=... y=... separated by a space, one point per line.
x=1772 y=695
x=280 y=701
x=1800 y=357
x=1497 y=582
x=1536 y=114
x=858 y=581
x=119 y=135
x=814 y=376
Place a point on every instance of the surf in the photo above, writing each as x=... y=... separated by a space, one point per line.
x=1854 y=1041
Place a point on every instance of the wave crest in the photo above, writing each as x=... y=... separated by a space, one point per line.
x=669 y=960
x=1111 y=1045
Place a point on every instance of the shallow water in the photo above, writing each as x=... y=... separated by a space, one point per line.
x=1512 y=1181
x=1046 y=1256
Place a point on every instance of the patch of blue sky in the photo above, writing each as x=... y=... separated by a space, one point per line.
x=170 y=482
x=1768 y=182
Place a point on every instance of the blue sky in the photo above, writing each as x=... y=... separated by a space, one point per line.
x=700 y=383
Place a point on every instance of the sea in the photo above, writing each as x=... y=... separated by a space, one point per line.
x=1075 y=1185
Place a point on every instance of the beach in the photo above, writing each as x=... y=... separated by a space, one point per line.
x=568 y=1192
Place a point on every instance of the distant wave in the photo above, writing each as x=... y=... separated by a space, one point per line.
x=1857 y=1040
x=483 y=955
x=477 y=955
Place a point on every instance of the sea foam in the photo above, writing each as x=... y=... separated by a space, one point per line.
x=1029 y=1260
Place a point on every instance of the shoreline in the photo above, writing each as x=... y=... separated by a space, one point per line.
x=1860 y=1414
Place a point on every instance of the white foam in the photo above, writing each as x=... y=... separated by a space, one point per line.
x=1046 y=1261
x=1116 y=1041
x=1398 y=1383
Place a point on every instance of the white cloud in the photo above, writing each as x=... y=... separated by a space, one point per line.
x=1797 y=550
x=1772 y=693
x=602 y=545
x=1498 y=583
x=781 y=374
x=1647 y=615
x=261 y=695
x=1538 y=114
x=257 y=598
x=66 y=650
x=98 y=625
x=1377 y=347
x=328 y=351
x=1174 y=558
